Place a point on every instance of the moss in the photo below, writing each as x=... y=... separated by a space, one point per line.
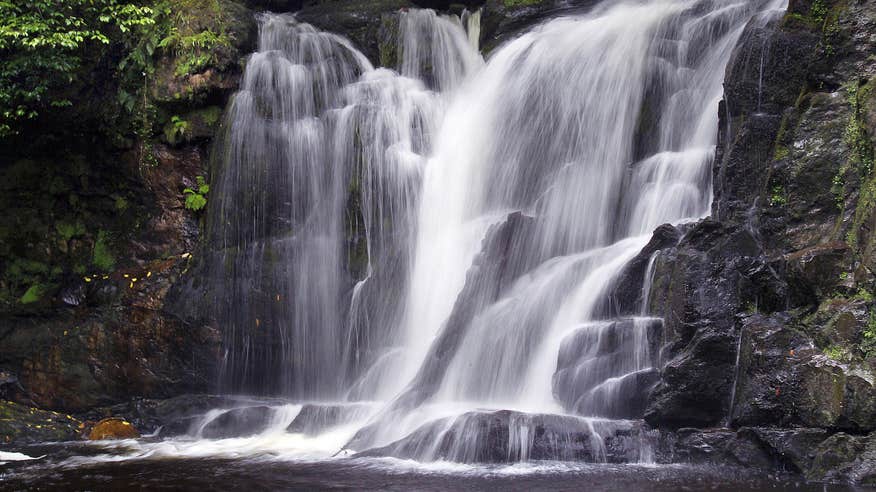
x=856 y=135
x=858 y=138
x=389 y=49
x=210 y=115
x=102 y=258
x=120 y=203
x=837 y=353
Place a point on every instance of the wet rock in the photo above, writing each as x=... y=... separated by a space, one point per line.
x=606 y=369
x=357 y=20
x=23 y=424
x=78 y=360
x=819 y=270
x=624 y=297
x=113 y=428
x=502 y=20
x=845 y=458
x=716 y=271
x=804 y=196
x=238 y=422
x=760 y=448
x=508 y=436
x=74 y=294
x=791 y=449
x=767 y=68
x=10 y=386
x=313 y=419
x=174 y=416
x=716 y=446
x=785 y=380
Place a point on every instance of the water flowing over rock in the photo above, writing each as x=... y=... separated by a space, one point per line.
x=419 y=237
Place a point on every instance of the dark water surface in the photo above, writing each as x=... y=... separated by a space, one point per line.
x=71 y=468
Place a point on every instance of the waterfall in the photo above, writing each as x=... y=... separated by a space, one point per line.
x=442 y=236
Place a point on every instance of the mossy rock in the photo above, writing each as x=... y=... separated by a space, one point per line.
x=204 y=52
x=835 y=451
x=23 y=424
x=199 y=125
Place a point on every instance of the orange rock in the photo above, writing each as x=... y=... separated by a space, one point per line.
x=113 y=428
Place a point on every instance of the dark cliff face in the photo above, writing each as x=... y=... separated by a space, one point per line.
x=768 y=304
x=97 y=228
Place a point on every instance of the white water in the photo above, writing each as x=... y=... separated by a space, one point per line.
x=6 y=457
x=598 y=127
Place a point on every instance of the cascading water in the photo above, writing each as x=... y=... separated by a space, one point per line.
x=321 y=148
x=435 y=247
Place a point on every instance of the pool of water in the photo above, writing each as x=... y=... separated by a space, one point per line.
x=87 y=466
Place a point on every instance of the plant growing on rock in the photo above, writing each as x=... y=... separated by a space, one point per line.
x=196 y=198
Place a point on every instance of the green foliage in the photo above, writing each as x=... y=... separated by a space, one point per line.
x=33 y=294
x=176 y=129
x=837 y=353
x=101 y=256
x=838 y=188
x=778 y=196
x=68 y=231
x=41 y=48
x=194 y=52
x=23 y=272
x=120 y=203
x=863 y=295
x=862 y=155
x=818 y=11
x=196 y=199
x=191 y=39
x=856 y=133
x=868 y=344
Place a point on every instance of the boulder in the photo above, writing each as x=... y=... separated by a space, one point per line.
x=113 y=428
x=508 y=436
x=238 y=422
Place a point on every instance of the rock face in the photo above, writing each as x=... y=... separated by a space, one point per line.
x=714 y=273
x=767 y=304
x=118 y=344
x=97 y=230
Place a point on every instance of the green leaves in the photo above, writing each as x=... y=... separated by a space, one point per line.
x=41 y=42
x=196 y=199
